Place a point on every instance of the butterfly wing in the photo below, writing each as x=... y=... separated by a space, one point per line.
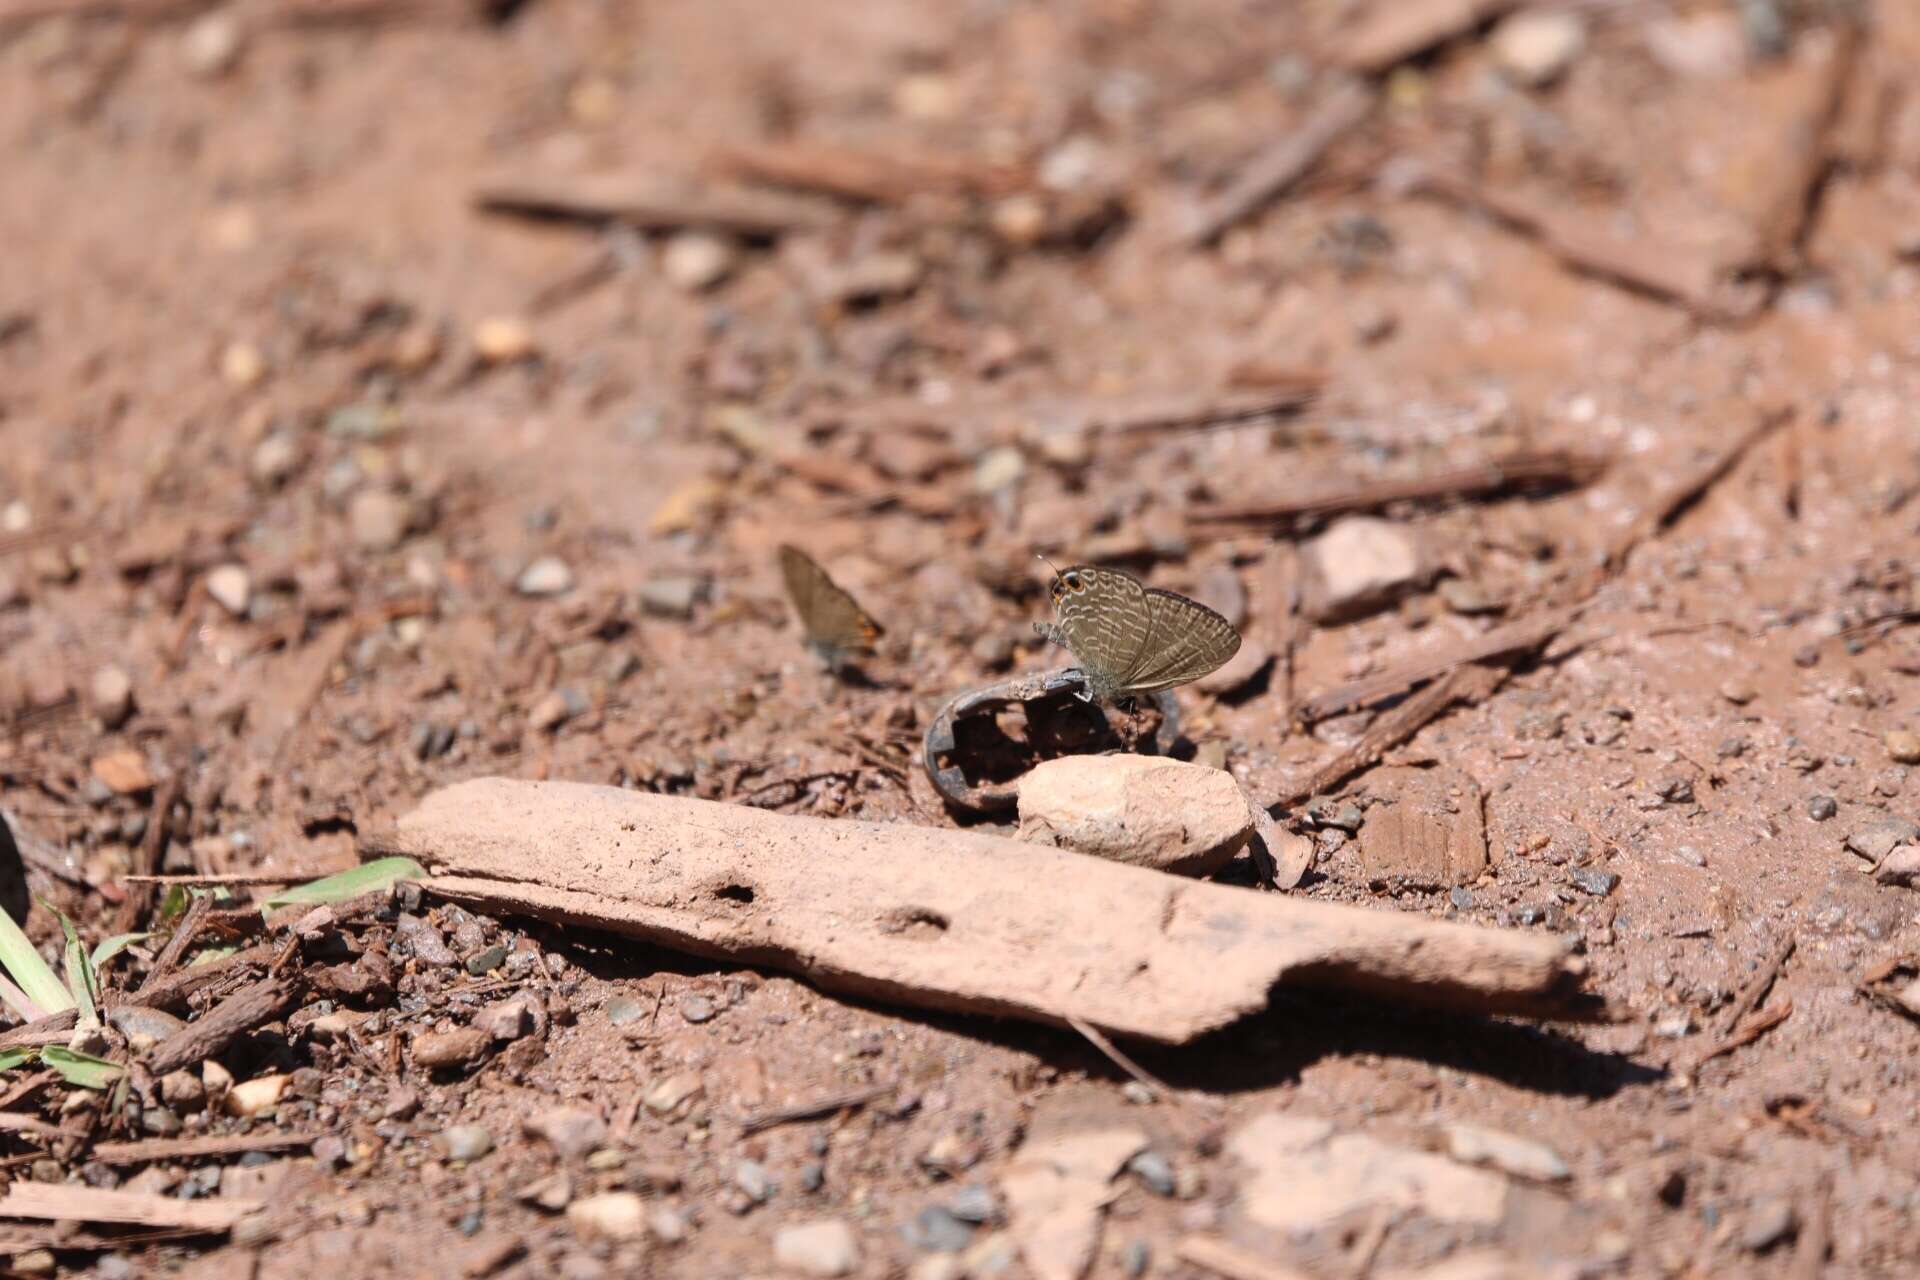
x=1187 y=640
x=833 y=620
x=1106 y=624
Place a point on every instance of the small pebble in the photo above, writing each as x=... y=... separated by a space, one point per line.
x=1768 y=1223
x=572 y=1132
x=112 y=696
x=974 y=1203
x=1738 y=692
x=123 y=772
x=555 y=710
x=1594 y=881
x=1134 y=1258
x=211 y=45
x=1903 y=747
x=672 y=597
x=503 y=339
x=487 y=960
x=615 y=1215
x=750 y=1176
x=1460 y=897
x=824 y=1248
x=183 y=1091
x=670 y=1094
x=465 y=1142
x=434 y=1049
x=697 y=1009
x=622 y=1010
x=668 y=1225
x=232 y=587
x=378 y=519
x=275 y=459
x=1535 y=48
x=813 y=1176
x=697 y=260
x=1154 y=1171
x=1821 y=808
x=242 y=364
x=547 y=576
x=252 y=1097
x=936 y=1230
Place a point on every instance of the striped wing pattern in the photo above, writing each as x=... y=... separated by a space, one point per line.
x=1133 y=639
x=836 y=625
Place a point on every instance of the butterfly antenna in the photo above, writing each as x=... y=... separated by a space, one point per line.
x=1050 y=564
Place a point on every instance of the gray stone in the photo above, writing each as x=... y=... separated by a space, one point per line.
x=1821 y=808
x=1155 y=1172
x=1875 y=838
x=1594 y=881
x=1151 y=812
x=672 y=597
x=935 y=1230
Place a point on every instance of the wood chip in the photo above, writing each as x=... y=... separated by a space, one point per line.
x=190 y=1148
x=65 y=1202
x=1402 y=29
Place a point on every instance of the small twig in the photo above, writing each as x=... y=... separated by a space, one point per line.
x=1747 y=1033
x=1284 y=163
x=1541 y=469
x=1692 y=486
x=226 y=1022
x=188 y=1148
x=183 y=935
x=58 y=1026
x=1750 y=995
x=1119 y=1059
x=1515 y=638
x=1471 y=683
x=146 y=859
x=32 y=1084
x=653 y=204
x=1392 y=33
x=814 y=1108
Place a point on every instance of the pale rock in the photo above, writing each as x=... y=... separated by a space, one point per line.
x=231 y=586
x=547 y=576
x=275 y=459
x=698 y=260
x=243 y=365
x=1056 y=1189
x=824 y=1248
x=674 y=1092
x=1147 y=811
x=570 y=1131
x=1708 y=44
x=1301 y=1177
x=613 y=1215
x=504 y=339
x=1535 y=47
x=1521 y=1157
x=112 y=695
x=252 y=1097
x=378 y=519
x=1357 y=567
x=212 y=44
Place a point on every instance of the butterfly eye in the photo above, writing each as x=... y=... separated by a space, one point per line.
x=1073 y=582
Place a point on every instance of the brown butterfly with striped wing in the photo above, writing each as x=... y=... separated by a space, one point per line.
x=836 y=627
x=1130 y=638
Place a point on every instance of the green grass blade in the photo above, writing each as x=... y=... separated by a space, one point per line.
x=36 y=980
x=368 y=877
x=81 y=1069
x=111 y=947
x=11 y=1058
x=81 y=982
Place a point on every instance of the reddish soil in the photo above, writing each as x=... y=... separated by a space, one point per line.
x=250 y=316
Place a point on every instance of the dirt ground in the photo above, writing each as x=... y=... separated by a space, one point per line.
x=365 y=488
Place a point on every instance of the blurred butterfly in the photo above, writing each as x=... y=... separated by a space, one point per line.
x=1130 y=638
x=837 y=628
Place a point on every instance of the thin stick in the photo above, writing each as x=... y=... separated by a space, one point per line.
x=1470 y=683
x=226 y=1022
x=146 y=859
x=815 y=1108
x=187 y=1148
x=219 y=878
x=1395 y=32
x=1119 y=1059
x=1756 y=987
x=1549 y=469
x=1750 y=1031
x=183 y=935
x=1516 y=637
x=1272 y=171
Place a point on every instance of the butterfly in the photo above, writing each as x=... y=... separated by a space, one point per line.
x=836 y=626
x=1130 y=638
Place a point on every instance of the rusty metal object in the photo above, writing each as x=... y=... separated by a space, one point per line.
x=1060 y=722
